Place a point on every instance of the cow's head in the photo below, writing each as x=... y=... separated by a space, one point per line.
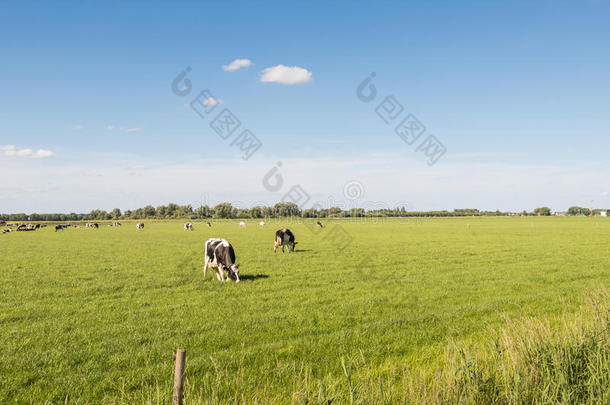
x=234 y=273
x=291 y=246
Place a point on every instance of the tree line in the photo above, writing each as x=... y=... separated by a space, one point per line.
x=226 y=210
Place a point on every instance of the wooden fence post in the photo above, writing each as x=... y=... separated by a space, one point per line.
x=179 y=376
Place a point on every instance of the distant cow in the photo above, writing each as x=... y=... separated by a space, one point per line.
x=60 y=227
x=139 y=226
x=284 y=237
x=242 y=224
x=116 y=224
x=219 y=255
x=261 y=224
x=208 y=224
x=96 y=225
x=319 y=224
x=188 y=226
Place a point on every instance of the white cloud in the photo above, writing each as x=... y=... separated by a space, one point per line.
x=78 y=127
x=11 y=150
x=122 y=128
x=286 y=75
x=211 y=101
x=236 y=64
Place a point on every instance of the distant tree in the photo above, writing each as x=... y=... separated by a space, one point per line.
x=310 y=213
x=202 y=212
x=161 y=211
x=183 y=211
x=543 y=211
x=256 y=212
x=115 y=214
x=335 y=212
x=148 y=211
x=575 y=210
x=223 y=210
x=171 y=210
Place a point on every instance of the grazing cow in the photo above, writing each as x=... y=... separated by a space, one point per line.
x=96 y=225
x=188 y=226
x=139 y=226
x=242 y=224
x=284 y=237
x=219 y=255
x=261 y=224
x=60 y=227
x=209 y=225
x=319 y=224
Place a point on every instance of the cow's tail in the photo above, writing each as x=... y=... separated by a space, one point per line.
x=205 y=249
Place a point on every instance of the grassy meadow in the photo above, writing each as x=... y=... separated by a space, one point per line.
x=93 y=316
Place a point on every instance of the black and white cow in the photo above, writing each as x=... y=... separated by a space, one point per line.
x=188 y=226
x=139 y=226
x=319 y=224
x=284 y=237
x=60 y=227
x=219 y=255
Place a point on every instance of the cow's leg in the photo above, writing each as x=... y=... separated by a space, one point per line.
x=221 y=272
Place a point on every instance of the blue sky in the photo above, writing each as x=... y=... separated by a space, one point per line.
x=517 y=92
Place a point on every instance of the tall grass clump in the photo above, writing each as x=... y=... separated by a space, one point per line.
x=528 y=361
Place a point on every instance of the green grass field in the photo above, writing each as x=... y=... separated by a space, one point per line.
x=93 y=316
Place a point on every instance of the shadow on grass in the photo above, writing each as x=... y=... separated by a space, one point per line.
x=252 y=277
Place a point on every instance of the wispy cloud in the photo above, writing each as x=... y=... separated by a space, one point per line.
x=211 y=101
x=89 y=182
x=236 y=64
x=11 y=150
x=122 y=128
x=78 y=127
x=286 y=75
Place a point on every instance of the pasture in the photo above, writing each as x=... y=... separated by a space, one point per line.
x=93 y=316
